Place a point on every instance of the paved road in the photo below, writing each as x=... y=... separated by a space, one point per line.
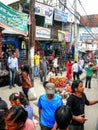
x=91 y=112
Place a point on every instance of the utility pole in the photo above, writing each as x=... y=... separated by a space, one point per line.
x=32 y=39
x=75 y=31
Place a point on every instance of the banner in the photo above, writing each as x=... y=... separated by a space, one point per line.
x=14 y=20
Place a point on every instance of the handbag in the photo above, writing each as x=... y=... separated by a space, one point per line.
x=18 y=79
x=79 y=70
x=31 y=94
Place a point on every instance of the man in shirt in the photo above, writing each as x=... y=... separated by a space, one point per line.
x=13 y=68
x=43 y=69
x=75 y=70
x=47 y=105
x=77 y=101
x=36 y=63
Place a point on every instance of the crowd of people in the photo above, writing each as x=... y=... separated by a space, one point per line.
x=52 y=112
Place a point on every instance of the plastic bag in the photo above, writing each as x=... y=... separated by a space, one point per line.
x=32 y=94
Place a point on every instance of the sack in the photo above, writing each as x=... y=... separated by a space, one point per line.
x=32 y=94
x=79 y=70
x=18 y=79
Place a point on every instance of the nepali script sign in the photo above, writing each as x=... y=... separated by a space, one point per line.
x=14 y=20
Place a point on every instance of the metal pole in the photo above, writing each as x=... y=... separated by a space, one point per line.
x=32 y=39
x=75 y=31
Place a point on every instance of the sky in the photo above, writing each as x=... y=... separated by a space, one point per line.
x=90 y=6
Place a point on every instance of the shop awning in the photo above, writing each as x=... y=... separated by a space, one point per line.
x=13 y=20
x=8 y=31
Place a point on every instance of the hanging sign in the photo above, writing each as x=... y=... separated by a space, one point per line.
x=14 y=20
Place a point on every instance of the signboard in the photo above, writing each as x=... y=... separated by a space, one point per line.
x=46 y=11
x=42 y=32
x=88 y=34
x=14 y=20
x=60 y=16
x=61 y=35
x=67 y=36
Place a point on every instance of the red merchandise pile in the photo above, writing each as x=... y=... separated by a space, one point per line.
x=59 y=81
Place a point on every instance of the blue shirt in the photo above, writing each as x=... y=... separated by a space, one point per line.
x=29 y=109
x=48 y=109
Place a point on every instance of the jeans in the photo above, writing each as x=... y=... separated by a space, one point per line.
x=36 y=70
x=88 y=81
x=76 y=75
x=25 y=90
x=12 y=74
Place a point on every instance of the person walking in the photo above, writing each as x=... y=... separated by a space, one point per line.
x=47 y=105
x=75 y=70
x=77 y=101
x=26 y=82
x=89 y=72
x=36 y=64
x=63 y=117
x=16 y=118
x=20 y=99
x=13 y=68
x=43 y=69
x=69 y=69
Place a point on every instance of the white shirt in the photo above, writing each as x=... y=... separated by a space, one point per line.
x=13 y=63
x=75 y=67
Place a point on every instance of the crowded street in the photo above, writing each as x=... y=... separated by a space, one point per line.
x=48 y=65
x=91 y=112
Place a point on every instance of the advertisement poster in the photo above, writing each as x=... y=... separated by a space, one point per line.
x=46 y=11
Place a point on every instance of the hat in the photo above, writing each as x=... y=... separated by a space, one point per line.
x=50 y=88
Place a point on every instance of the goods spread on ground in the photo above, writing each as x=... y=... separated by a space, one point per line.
x=59 y=81
x=63 y=89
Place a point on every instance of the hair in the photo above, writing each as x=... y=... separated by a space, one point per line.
x=63 y=117
x=21 y=96
x=17 y=114
x=44 y=84
x=75 y=84
x=25 y=68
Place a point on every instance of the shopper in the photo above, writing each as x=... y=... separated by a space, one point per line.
x=16 y=119
x=26 y=82
x=69 y=69
x=51 y=73
x=47 y=105
x=89 y=72
x=20 y=99
x=75 y=71
x=77 y=101
x=13 y=68
x=43 y=69
x=63 y=117
x=36 y=64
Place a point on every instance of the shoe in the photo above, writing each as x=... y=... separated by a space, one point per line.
x=10 y=87
x=89 y=87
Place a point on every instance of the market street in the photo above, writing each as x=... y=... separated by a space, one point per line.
x=91 y=112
